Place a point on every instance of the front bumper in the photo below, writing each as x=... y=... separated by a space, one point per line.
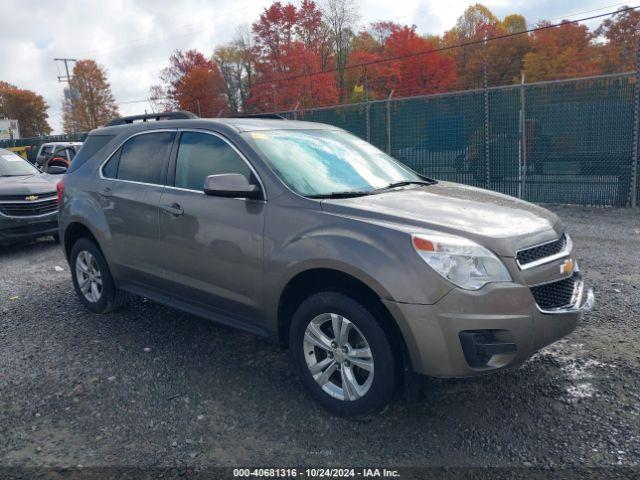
x=500 y=323
x=19 y=228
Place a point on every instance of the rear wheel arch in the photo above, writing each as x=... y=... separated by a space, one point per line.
x=315 y=280
x=74 y=232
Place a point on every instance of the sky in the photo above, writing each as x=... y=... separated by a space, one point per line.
x=133 y=39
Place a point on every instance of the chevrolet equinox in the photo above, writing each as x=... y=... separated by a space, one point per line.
x=306 y=234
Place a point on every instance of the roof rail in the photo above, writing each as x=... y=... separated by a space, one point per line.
x=272 y=116
x=179 y=115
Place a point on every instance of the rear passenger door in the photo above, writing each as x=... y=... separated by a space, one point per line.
x=133 y=180
x=212 y=245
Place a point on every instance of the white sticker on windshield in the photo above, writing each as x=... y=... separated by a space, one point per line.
x=12 y=158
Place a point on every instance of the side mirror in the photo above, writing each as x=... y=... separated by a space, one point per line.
x=231 y=185
x=56 y=170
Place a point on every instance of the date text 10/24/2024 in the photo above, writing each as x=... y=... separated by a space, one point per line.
x=316 y=472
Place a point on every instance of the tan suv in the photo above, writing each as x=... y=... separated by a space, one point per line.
x=308 y=235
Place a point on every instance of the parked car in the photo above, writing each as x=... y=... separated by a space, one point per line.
x=311 y=236
x=57 y=153
x=28 y=200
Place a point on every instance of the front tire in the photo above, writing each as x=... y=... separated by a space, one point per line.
x=92 y=279
x=343 y=355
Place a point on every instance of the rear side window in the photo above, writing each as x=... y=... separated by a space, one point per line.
x=89 y=148
x=142 y=157
x=110 y=170
x=46 y=150
x=201 y=155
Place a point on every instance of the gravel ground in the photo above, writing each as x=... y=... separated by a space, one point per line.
x=149 y=386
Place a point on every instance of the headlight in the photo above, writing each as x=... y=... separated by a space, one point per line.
x=459 y=260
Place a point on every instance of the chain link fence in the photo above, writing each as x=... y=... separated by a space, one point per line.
x=567 y=141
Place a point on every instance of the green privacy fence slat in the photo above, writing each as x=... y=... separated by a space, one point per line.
x=552 y=142
x=567 y=141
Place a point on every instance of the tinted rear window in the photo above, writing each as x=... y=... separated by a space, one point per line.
x=89 y=148
x=142 y=157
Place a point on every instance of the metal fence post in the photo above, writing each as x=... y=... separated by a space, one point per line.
x=389 y=122
x=367 y=107
x=523 y=141
x=295 y=111
x=633 y=184
x=485 y=88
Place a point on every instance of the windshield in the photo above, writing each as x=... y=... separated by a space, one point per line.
x=12 y=165
x=326 y=162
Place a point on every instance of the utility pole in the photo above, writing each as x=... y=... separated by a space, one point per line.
x=67 y=78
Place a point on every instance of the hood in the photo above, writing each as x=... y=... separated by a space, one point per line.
x=36 y=184
x=501 y=223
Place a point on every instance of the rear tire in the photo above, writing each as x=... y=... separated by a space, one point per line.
x=343 y=355
x=92 y=279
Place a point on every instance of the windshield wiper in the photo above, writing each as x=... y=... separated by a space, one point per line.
x=356 y=193
x=404 y=183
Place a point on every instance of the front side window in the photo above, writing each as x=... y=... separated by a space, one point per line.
x=201 y=155
x=141 y=158
x=325 y=162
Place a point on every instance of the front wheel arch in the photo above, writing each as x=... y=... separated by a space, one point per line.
x=312 y=281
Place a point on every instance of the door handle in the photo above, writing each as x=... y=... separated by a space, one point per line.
x=106 y=192
x=173 y=209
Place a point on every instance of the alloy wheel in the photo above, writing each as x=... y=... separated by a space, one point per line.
x=89 y=276
x=338 y=357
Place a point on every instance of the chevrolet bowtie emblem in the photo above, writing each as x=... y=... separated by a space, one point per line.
x=567 y=266
x=31 y=198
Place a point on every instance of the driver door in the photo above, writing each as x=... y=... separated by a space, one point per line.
x=213 y=245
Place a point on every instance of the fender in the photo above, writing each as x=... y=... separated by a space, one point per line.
x=82 y=208
x=363 y=255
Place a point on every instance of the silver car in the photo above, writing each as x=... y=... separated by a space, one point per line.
x=306 y=234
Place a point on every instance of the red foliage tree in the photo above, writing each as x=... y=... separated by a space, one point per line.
x=622 y=32
x=418 y=74
x=289 y=47
x=192 y=82
x=27 y=107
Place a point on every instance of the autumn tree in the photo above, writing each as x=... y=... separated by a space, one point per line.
x=192 y=82
x=341 y=17
x=395 y=58
x=622 y=32
x=228 y=58
x=477 y=23
x=88 y=102
x=505 y=56
x=565 y=51
x=27 y=107
x=289 y=53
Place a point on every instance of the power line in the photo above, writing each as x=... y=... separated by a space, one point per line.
x=448 y=47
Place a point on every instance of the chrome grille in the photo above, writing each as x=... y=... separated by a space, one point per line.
x=533 y=254
x=560 y=294
x=29 y=209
